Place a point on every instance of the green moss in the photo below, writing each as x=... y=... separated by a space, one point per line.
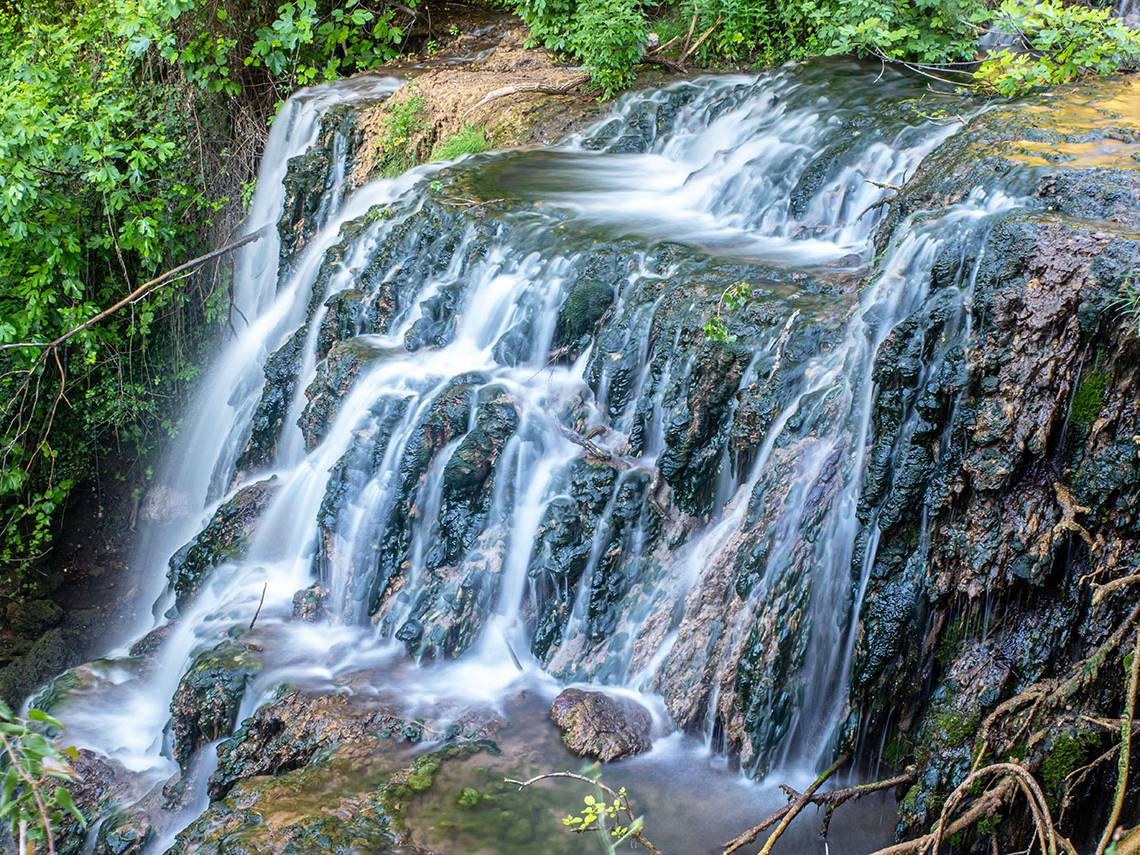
x=1069 y=751
x=957 y=728
x=468 y=797
x=467 y=140
x=1088 y=399
x=421 y=778
x=989 y=824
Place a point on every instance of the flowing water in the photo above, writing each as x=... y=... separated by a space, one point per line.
x=507 y=450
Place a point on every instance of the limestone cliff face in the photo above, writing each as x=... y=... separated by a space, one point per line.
x=1004 y=486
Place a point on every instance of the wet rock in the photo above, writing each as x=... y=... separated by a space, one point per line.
x=595 y=724
x=447 y=419
x=583 y=308
x=205 y=705
x=290 y=731
x=1004 y=471
x=467 y=485
x=310 y=604
x=150 y=643
x=225 y=538
x=31 y=618
x=335 y=376
x=309 y=178
x=281 y=369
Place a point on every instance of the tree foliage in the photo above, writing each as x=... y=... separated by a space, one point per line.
x=1051 y=41
x=128 y=129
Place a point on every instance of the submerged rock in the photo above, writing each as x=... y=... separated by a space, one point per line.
x=310 y=604
x=595 y=724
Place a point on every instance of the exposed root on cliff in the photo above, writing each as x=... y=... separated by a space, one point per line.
x=1050 y=695
x=1125 y=751
x=1010 y=779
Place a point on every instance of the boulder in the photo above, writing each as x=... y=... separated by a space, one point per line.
x=595 y=724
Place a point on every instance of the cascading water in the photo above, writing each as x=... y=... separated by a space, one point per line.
x=489 y=425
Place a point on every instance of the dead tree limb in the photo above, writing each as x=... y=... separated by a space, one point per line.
x=139 y=292
x=829 y=800
x=518 y=88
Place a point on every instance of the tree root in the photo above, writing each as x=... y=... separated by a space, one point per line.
x=1069 y=511
x=1125 y=751
x=1051 y=694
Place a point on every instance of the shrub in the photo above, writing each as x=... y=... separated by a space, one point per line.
x=467 y=140
x=1055 y=43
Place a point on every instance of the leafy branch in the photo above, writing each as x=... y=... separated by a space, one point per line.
x=32 y=800
x=594 y=816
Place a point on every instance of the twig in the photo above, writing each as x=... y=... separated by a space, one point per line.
x=883 y=185
x=261 y=603
x=623 y=801
x=701 y=40
x=799 y=804
x=1125 y=750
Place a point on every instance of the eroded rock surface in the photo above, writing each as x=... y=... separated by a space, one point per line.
x=602 y=726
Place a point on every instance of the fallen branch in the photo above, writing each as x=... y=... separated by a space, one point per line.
x=517 y=88
x=260 y=603
x=623 y=801
x=602 y=455
x=883 y=185
x=829 y=800
x=140 y=292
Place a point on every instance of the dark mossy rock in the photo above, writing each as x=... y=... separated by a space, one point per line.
x=564 y=545
x=447 y=419
x=309 y=178
x=290 y=731
x=601 y=726
x=281 y=369
x=1004 y=471
x=30 y=618
x=205 y=705
x=225 y=538
x=467 y=475
x=352 y=798
x=50 y=654
x=335 y=376
x=583 y=308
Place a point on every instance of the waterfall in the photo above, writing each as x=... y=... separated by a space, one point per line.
x=505 y=441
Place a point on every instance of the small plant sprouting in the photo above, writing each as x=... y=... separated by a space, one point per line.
x=598 y=816
x=734 y=298
x=1127 y=303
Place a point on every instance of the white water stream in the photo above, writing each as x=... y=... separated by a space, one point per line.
x=779 y=177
